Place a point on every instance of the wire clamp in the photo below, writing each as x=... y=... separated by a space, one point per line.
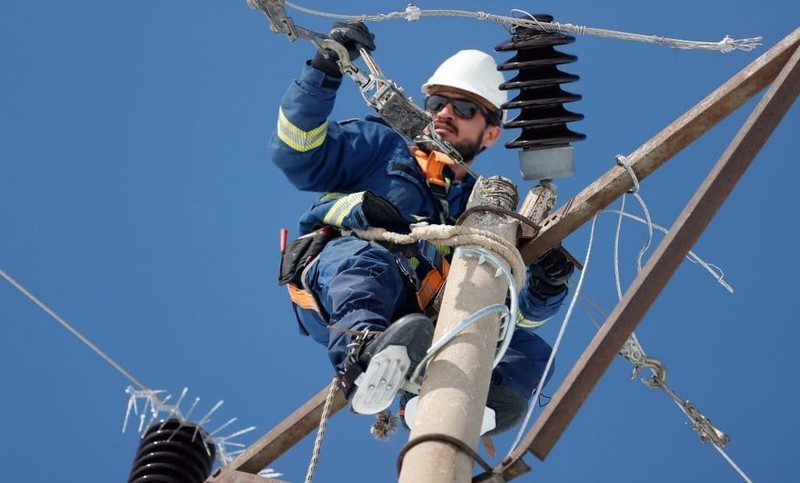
x=413 y=12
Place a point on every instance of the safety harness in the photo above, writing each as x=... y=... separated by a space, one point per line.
x=425 y=265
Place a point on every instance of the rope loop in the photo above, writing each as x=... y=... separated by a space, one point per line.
x=623 y=161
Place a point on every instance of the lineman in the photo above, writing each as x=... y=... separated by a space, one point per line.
x=341 y=285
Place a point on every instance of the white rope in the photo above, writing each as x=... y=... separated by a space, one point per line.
x=323 y=424
x=455 y=235
x=557 y=343
x=413 y=13
x=631 y=349
x=623 y=161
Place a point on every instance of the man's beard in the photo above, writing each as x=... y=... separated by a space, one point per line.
x=468 y=149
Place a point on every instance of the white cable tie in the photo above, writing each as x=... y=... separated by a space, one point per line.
x=727 y=44
x=413 y=12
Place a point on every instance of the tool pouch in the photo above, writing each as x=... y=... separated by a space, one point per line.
x=299 y=253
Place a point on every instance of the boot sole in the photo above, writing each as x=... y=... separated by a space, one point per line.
x=377 y=387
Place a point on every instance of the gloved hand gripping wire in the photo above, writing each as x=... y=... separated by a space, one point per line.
x=388 y=99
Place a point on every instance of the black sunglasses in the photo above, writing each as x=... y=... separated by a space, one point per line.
x=463 y=108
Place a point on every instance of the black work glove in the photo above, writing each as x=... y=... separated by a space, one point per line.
x=382 y=213
x=352 y=36
x=549 y=274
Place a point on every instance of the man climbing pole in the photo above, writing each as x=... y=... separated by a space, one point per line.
x=361 y=298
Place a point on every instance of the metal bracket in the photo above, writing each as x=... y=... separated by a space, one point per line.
x=280 y=23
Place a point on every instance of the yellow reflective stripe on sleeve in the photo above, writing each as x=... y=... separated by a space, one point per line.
x=296 y=138
x=331 y=195
x=341 y=208
x=528 y=323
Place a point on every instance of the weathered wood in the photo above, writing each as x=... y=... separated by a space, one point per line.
x=666 y=144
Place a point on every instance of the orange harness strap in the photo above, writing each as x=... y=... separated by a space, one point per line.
x=303 y=298
x=431 y=284
x=433 y=165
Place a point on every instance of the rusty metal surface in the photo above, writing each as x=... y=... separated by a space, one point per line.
x=576 y=211
x=667 y=257
x=232 y=476
x=283 y=436
x=507 y=471
x=663 y=146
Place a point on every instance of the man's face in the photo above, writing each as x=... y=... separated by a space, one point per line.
x=467 y=136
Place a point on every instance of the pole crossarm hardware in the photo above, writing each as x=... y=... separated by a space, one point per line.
x=779 y=66
x=663 y=146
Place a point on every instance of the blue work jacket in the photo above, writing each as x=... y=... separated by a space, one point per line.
x=341 y=160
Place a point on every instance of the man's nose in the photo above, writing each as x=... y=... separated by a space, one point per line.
x=447 y=111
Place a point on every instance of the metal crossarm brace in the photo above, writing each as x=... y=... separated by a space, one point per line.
x=646 y=159
x=663 y=146
x=781 y=63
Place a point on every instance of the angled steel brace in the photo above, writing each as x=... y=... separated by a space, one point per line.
x=646 y=159
x=663 y=146
x=785 y=58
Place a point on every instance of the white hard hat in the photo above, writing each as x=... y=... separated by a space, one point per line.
x=471 y=71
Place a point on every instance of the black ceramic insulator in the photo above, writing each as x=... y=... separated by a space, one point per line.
x=542 y=118
x=173 y=452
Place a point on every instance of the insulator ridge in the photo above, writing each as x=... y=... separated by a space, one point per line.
x=173 y=451
x=542 y=118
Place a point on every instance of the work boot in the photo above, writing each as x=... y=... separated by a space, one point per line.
x=509 y=406
x=387 y=361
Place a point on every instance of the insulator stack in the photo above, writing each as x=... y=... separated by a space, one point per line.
x=545 y=140
x=173 y=452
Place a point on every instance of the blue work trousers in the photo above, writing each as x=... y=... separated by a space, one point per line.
x=360 y=286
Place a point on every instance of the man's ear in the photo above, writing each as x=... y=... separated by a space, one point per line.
x=491 y=135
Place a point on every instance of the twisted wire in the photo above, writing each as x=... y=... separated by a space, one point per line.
x=411 y=13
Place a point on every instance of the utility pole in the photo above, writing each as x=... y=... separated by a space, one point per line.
x=779 y=66
x=453 y=396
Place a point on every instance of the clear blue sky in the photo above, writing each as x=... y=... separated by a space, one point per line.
x=137 y=201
